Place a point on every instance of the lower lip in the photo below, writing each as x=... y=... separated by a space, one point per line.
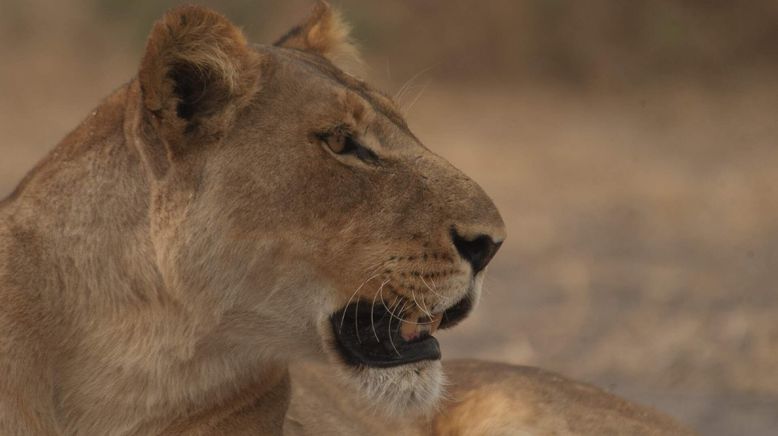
x=361 y=347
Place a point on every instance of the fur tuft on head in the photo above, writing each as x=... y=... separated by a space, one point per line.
x=325 y=33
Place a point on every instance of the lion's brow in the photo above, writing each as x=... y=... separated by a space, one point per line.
x=355 y=85
x=368 y=93
x=364 y=91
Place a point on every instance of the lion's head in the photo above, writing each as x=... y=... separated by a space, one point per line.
x=293 y=202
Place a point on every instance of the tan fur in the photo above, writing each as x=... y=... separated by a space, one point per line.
x=212 y=56
x=483 y=399
x=161 y=267
x=327 y=34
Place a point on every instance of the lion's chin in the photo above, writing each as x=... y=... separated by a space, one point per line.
x=392 y=362
x=408 y=390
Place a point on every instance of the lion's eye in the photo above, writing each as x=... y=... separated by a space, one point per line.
x=344 y=144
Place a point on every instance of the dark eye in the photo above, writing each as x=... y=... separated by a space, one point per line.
x=345 y=143
x=352 y=146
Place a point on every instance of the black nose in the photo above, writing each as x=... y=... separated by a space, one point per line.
x=478 y=251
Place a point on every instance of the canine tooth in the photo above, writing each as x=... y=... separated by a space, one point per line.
x=417 y=325
x=435 y=322
x=409 y=330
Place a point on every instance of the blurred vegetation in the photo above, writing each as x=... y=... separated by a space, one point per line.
x=566 y=41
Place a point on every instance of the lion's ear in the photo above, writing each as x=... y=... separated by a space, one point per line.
x=196 y=73
x=325 y=33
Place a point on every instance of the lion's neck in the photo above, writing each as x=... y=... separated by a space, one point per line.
x=129 y=353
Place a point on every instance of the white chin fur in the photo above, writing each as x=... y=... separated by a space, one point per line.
x=407 y=390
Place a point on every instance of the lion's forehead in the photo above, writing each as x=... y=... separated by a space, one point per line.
x=311 y=64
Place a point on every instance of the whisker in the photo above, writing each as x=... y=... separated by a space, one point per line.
x=407 y=85
x=404 y=308
x=421 y=276
x=424 y=307
x=424 y=304
x=415 y=99
x=419 y=306
x=343 y=318
x=356 y=321
x=372 y=310
x=391 y=341
x=400 y=319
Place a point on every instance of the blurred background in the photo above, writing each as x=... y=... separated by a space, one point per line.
x=631 y=147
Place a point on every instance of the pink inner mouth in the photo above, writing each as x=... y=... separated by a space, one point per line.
x=416 y=327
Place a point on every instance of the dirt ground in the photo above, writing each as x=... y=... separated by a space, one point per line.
x=643 y=223
x=642 y=251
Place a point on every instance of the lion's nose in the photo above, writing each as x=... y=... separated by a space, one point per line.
x=478 y=251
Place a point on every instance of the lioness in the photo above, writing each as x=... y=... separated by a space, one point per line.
x=235 y=208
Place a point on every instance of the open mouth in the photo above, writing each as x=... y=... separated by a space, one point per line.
x=370 y=335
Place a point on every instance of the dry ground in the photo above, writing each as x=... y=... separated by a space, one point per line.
x=642 y=252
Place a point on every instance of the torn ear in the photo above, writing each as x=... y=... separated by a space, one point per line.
x=325 y=33
x=196 y=74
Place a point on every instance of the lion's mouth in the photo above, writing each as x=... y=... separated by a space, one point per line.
x=369 y=335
